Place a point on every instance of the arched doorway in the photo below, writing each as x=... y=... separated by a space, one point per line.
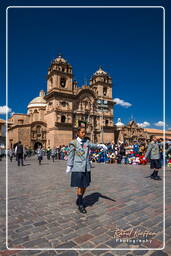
x=37 y=144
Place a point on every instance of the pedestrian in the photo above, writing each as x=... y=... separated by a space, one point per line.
x=48 y=153
x=25 y=153
x=79 y=165
x=154 y=152
x=53 y=154
x=11 y=154
x=62 y=152
x=121 y=152
x=19 y=153
x=57 y=153
x=1 y=153
x=39 y=154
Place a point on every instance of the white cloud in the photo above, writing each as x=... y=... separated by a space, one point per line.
x=144 y=124
x=12 y=113
x=122 y=103
x=160 y=123
x=4 y=109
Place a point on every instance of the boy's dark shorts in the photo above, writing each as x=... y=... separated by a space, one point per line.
x=155 y=164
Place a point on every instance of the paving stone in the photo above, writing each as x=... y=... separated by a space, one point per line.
x=40 y=223
x=87 y=254
x=98 y=231
x=140 y=252
x=48 y=253
x=69 y=253
x=88 y=244
x=40 y=243
x=69 y=244
x=154 y=244
x=101 y=239
x=108 y=254
x=159 y=253
x=83 y=238
x=42 y=210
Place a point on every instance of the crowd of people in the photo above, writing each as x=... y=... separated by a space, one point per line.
x=121 y=153
x=80 y=154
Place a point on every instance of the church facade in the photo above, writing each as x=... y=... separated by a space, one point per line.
x=52 y=118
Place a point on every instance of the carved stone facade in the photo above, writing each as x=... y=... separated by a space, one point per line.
x=130 y=133
x=52 y=118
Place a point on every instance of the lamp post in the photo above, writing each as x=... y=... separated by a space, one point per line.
x=102 y=106
x=119 y=125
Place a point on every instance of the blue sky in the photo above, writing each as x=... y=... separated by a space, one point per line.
x=128 y=43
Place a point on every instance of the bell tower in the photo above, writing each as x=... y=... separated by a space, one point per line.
x=101 y=83
x=60 y=76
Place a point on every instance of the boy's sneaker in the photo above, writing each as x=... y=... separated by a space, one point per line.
x=82 y=209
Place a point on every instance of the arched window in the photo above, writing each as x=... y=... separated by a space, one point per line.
x=63 y=119
x=36 y=115
x=63 y=82
x=63 y=103
x=104 y=91
x=38 y=128
x=106 y=122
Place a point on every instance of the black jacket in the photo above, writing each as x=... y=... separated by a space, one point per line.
x=20 y=149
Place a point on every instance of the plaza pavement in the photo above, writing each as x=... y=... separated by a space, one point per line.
x=42 y=211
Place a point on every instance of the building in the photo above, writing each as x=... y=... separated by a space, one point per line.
x=130 y=133
x=2 y=133
x=52 y=118
x=158 y=133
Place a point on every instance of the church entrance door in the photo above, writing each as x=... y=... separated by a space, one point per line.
x=37 y=144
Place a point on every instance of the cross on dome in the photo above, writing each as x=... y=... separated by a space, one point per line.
x=60 y=58
x=100 y=71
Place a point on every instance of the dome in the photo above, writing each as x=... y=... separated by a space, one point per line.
x=100 y=72
x=59 y=59
x=38 y=101
x=119 y=124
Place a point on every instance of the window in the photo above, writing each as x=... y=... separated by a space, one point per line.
x=63 y=103
x=63 y=119
x=104 y=91
x=51 y=82
x=20 y=121
x=38 y=129
x=106 y=122
x=63 y=82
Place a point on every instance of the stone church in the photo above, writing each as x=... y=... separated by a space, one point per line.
x=52 y=118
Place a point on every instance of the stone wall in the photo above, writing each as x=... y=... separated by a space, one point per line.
x=58 y=137
x=19 y=134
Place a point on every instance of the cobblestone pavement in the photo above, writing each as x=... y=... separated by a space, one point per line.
x=42 y=211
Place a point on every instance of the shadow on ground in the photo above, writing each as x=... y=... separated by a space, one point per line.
x=93 y=198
